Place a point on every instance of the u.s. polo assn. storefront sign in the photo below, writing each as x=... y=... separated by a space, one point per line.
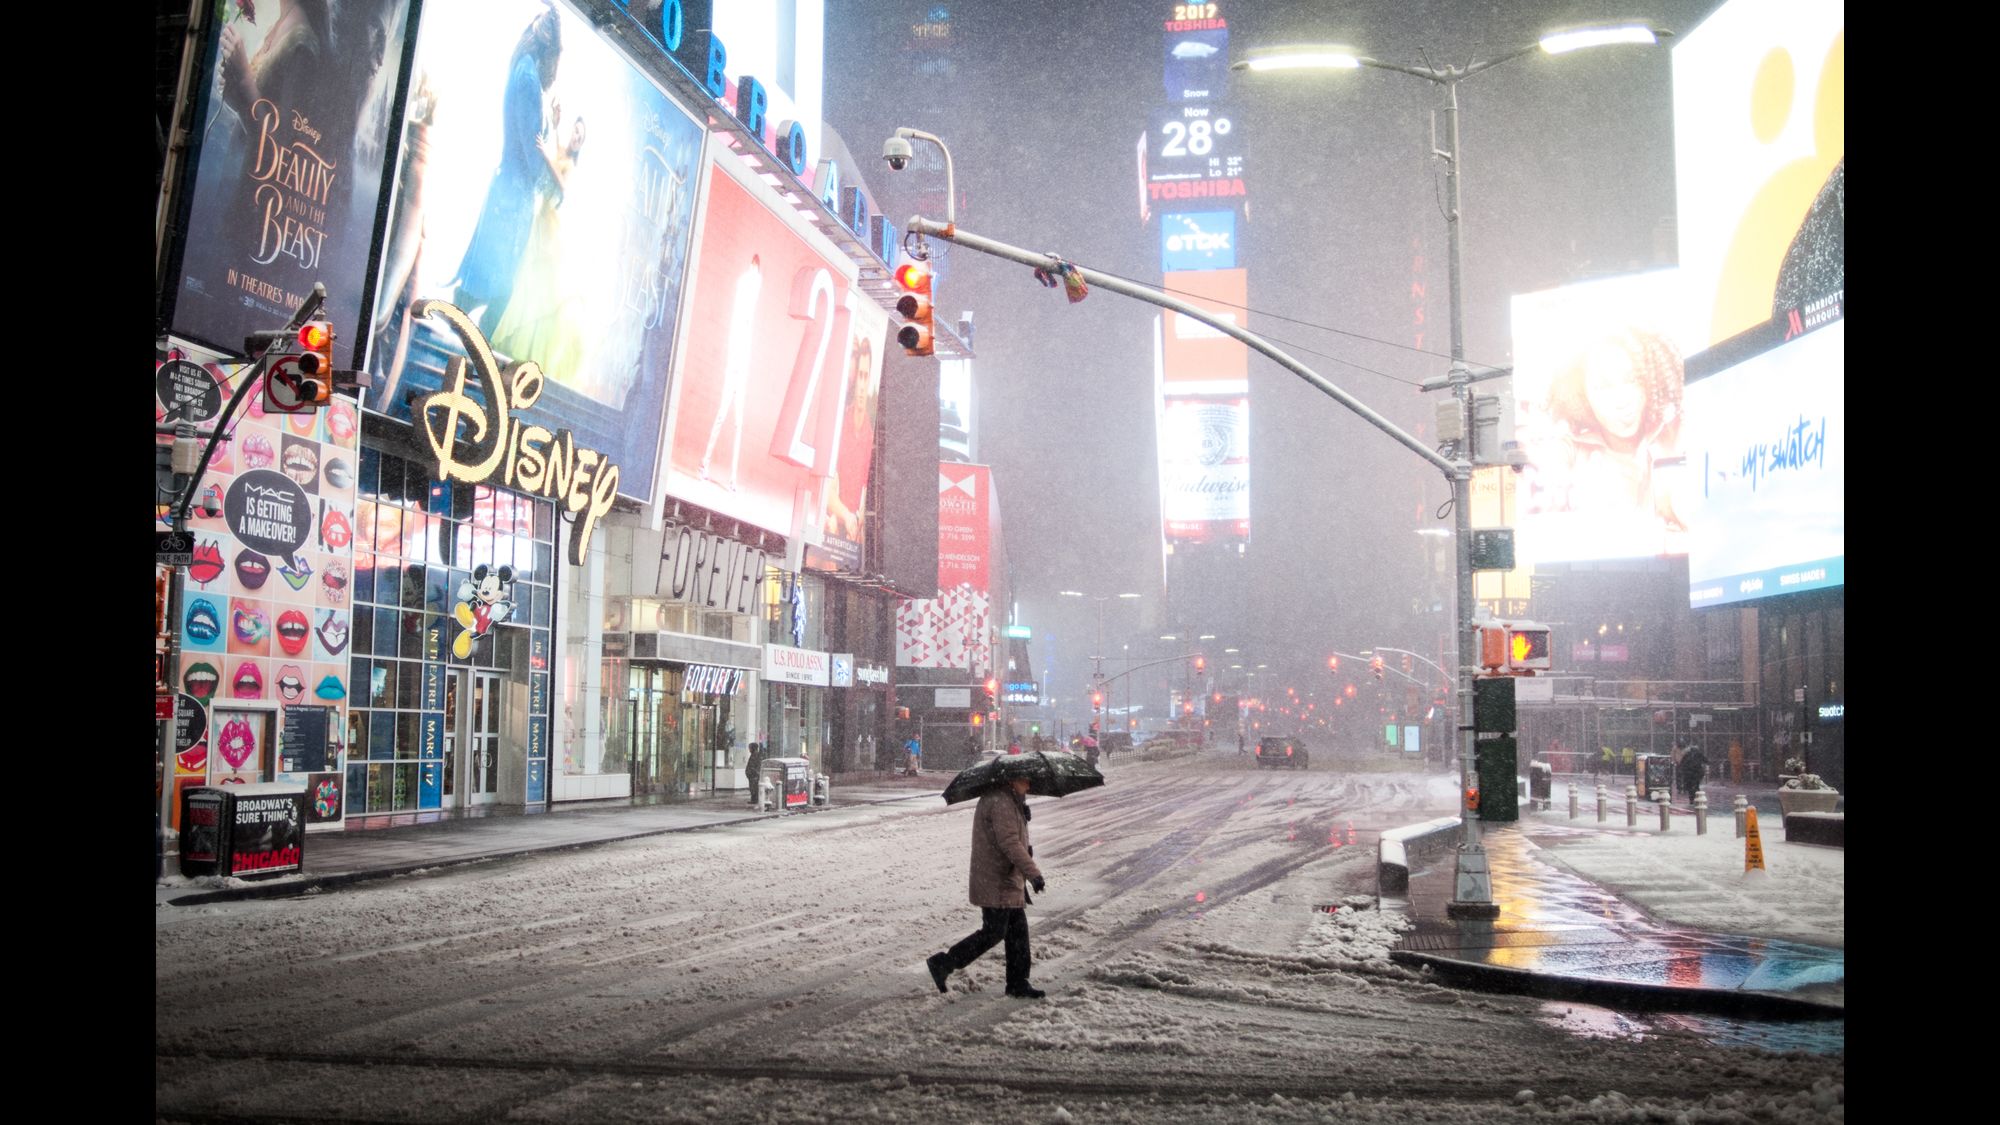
x=797 y=665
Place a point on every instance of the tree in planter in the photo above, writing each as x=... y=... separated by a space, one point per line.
x=1798 y=778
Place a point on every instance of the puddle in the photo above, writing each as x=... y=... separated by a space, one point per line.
x=1586 y=1021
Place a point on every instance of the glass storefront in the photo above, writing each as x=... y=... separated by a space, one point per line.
x=449 y=705
x=673 y=730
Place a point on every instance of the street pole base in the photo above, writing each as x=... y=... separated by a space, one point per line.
x=1465 y=910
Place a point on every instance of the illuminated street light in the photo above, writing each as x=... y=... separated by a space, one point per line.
x=1472 y=895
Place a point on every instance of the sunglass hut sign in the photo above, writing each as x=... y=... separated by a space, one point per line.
x=502 y=448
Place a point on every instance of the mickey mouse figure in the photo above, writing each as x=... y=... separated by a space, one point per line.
x=484 y=600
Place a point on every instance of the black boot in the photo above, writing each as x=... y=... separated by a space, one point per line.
x=1025 y=992
x=940 y=967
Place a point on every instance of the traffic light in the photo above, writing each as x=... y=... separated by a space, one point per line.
x=301 y=379
x=1376 y=664
x=1333 y=663
x=1097 y=701
x=1200 y=665
x=914 y=279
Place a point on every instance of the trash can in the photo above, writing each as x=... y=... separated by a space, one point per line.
x=791 y=781
x=249 y=831
x=1541 y=783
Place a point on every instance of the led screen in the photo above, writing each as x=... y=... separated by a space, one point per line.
x=1766 y=449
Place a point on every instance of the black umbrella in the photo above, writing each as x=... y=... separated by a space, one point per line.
x=1049 y=774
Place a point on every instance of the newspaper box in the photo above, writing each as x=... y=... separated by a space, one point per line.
x=247 y=831
x=1656 y=773
x=791 y=781
x=1541 y=783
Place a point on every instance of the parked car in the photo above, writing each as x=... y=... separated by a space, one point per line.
x=1275 y=752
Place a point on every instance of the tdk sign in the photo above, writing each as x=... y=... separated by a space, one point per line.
x=1198 y=240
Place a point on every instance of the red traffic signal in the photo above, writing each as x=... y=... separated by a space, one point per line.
x=914 y=306
x=1096 y=700
x=1201 y=664
x=1333 y=663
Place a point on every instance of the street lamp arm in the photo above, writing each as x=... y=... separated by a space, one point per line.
x=1415 y=655
x=949 y=233
x=1143 y=667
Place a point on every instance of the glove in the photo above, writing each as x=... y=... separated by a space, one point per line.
x=1038 y=883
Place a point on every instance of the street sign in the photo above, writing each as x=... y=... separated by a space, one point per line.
x=173 y=548
x=163 y=705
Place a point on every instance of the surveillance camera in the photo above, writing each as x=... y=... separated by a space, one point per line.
x=896 y=150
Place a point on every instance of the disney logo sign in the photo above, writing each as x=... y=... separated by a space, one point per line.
x=505 y=449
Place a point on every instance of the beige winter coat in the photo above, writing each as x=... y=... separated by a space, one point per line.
x=1000 y=859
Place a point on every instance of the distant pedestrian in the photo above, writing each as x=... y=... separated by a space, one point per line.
x=1013 y=746
x=1002 y=860
x=1694 y=766
x=751 y=767
x=915 y=750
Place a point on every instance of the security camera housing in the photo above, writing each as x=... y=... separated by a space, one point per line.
x=896 y=150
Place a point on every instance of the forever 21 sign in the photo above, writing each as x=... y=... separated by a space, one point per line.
x=709 y=571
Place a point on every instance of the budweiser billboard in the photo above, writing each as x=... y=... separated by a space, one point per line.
x=1204 y=467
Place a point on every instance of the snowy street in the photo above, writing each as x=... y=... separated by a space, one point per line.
x=774 y=971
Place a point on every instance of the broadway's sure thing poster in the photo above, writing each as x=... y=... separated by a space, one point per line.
x=546 y=189
x=290 y=130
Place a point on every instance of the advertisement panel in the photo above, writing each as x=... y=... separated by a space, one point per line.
x=757 y=398
x=290 y=134
x=951 y=630
x=1767 y=444
x=846 y=489
x=1759 y=146
x=1597 y=391
x=265 y=615
x=1205 y=468
x=1197 y=67
x=955 y=410
x=963 y=520
x=546 y=189
x=1197 y=240
x=1194 y=151
x=1195 y=357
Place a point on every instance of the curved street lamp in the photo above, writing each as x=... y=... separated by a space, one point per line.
x=1472 y=895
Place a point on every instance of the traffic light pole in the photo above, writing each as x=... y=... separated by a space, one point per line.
x=1473 y=895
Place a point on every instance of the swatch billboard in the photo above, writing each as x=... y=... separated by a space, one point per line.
x=757 y=403
x=289 y=134
x=1767 y=456
x=546 y=188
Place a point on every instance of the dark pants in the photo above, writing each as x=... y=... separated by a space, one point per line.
x=1009 y=923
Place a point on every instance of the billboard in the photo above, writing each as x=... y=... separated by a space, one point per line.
x=1196 y=357
x=1597 y=386
x=1197 y=67
x=291 y=134
x=1204 y=468
x=904 y=497
x=964 y=512
x=1197 y=240
x=757 y=399
x=1759 y=148
x=955 y=410
x=265 y=615
x=546 y=188
x=846 y=489
x=1194 y=151
x=1766 y=458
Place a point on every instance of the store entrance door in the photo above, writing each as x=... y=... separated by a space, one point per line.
x=471 y=738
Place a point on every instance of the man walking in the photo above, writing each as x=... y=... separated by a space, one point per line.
x=1694 y=767
x=1001 y=861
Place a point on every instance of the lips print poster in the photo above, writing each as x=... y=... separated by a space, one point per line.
x=265 y=616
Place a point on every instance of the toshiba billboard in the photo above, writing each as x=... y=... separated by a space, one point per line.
x=758 y=420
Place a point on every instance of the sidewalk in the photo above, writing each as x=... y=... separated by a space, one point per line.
x=1561 y=936
x=389 y=846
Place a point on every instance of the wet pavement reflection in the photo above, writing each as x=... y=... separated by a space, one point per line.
x=1554 y=923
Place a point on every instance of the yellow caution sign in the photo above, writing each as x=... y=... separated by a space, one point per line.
x=1753 y=844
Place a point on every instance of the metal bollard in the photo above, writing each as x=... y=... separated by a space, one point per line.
x=1666 y=816
x=1600 y=802
x=1701 y=812
x=1572 y=800
x=1741 y=805
x=1631 y=806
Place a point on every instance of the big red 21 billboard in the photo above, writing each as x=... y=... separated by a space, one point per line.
x=757 y=421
